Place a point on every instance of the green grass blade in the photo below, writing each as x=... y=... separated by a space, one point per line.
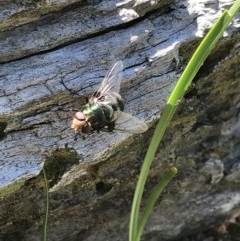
x=234 y=8
x=45 y=221
x=199 y=57
x=159 y=131
x=153 y=198
x=193 y=66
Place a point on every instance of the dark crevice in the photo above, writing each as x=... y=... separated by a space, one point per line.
x=103 y=188
x=27 y=128
x=59 y=162
x=3 y=126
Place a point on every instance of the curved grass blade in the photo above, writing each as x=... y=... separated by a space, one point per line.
x=45 y=221
x=156 y=191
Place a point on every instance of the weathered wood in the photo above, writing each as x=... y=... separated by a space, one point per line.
x=43 y=26
x=92 y=180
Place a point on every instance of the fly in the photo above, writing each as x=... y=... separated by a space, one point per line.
x=104 y=109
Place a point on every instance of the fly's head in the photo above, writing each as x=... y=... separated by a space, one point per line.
x=79 y=123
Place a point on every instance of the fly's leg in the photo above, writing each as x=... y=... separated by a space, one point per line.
x=75 y=136
x=74 y=92
x=79 y=134
x=111 y=126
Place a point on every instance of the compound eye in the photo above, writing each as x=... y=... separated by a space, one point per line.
x=80 y=116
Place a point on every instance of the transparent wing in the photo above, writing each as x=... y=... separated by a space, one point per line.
x=111 y=82
x=127 y=122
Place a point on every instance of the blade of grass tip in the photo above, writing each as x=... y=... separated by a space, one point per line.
x=45 y=221
x=157 y=190
x=179 y=90
x=234 y=8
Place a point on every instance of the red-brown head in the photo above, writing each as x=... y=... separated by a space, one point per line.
x=78 y=121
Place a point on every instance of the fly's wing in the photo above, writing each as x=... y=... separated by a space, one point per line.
x=111 y=82
x=127 y=122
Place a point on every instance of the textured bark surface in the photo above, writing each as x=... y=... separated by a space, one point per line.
x=92 y=181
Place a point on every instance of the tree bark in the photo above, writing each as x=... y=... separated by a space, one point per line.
x=92 y=180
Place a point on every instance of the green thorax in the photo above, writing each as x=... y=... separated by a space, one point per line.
x=98 y=115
